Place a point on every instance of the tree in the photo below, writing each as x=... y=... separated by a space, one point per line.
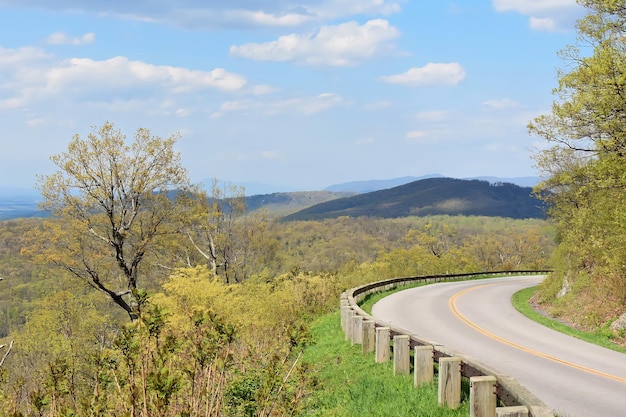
x=586 y=164
x=232 y=243
x=111 y=204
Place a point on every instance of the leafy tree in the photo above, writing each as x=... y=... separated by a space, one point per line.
x=111 y=203
x=234 y=244
x=586 y=164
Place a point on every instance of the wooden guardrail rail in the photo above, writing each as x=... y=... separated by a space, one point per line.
x=486 y=386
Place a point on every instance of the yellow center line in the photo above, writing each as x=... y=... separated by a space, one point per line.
x=452 y=304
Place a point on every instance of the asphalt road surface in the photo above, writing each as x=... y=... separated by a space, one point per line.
x=476 y=320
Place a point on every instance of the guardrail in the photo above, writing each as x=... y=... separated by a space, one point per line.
x=486 y=386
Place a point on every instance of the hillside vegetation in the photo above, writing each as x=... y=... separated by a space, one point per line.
x=205 y=347
x=585 y=164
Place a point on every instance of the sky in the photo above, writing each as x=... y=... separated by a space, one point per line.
x=284 y=95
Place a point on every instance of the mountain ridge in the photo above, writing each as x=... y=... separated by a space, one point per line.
x=432 y=196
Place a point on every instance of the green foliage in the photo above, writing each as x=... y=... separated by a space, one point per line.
x=602 y=337
x=111 y=206
x=586 y=170
x=221 y=301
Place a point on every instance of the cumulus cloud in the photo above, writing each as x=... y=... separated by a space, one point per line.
x=235 y=13
x=544 y=15
x=119 y=72
x=341 y=45
x=60 y=38
x=430 y=74
x=30 y=76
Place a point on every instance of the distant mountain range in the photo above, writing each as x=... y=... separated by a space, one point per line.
x=361 y=198
x=433 y=196
x=375 y=185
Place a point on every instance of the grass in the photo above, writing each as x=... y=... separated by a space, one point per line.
x=351 y=384
x=521 y=302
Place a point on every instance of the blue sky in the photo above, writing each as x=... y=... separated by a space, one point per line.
x=295 y=95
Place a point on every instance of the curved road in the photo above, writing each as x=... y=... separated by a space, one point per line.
x=476 y=319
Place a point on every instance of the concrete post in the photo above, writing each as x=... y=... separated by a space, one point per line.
x=515 y=411
x=449 y=390
x=369 y=336
x=357 y=329
x=383 y=352
x=423 y=364
x=401 y=354
x=344 y=316
x=349 y=315
x=483 y=399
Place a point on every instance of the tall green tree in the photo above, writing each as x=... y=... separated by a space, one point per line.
x=111 y=204
x=585 y=165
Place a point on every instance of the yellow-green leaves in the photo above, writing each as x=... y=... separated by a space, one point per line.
x=586 y=165
x=111 y=202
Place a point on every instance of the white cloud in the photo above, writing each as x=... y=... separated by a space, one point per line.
x=544 y=15
x=122 y=77
x=342 y=45
x=183 y=112
x=414 y=135
x=532 y=6
x=259 y=90
x=500 y=104
x=430 y=74
x=305 y=105
x=31 y=76
x=432 y=116
x=235 y=13
x=545 y=23
x=60 y=38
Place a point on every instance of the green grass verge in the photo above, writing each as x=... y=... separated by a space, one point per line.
x=352 y=384
x=602 y=337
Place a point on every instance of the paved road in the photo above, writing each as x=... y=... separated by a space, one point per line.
x=476 y=319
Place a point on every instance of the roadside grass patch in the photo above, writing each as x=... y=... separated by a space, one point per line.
x=351 y=384
x=601 y=337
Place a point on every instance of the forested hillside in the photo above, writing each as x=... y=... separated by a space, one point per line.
x=586 y=169
x=433 y=196
x=204 y=312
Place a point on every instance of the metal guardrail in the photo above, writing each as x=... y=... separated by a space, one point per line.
x=509 y=391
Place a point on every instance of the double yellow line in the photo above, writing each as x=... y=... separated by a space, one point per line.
x=452 y=304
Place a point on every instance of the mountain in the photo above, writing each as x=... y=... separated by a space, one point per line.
x=18 y=202
x=433 y=196
x=285 y=203
x=375 y=185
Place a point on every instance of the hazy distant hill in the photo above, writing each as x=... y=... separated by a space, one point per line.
x=433 y=196
x=331 y=202
x=286 y=203
x=375 y=185
x=16 y=202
